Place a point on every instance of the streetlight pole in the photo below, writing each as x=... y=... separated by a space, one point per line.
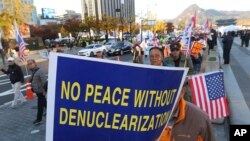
x=118 y=10
x=130 y=29
x=130 y=24
x=141 y=29
x=121 y=16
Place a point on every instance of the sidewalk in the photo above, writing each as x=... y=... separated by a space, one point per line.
x=221 y=126
x=239 y=111
x=16 y=124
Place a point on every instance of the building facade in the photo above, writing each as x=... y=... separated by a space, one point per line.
x=114 y=8
x=33 y=15
x=226 y=22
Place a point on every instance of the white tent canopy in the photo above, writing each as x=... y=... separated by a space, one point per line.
x=224 y=29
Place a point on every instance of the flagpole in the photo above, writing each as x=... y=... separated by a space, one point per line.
x=189 y=40
x=26 y=69
x=193 y=25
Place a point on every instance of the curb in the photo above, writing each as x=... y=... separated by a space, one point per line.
x=239 y=111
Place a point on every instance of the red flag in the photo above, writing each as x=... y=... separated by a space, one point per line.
x=194 y=20
x=209 y=95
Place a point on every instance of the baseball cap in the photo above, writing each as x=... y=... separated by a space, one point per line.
x=11 y=59
x=175 y=46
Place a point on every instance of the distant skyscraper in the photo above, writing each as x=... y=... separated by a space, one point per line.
x=124 y=8
x=33 y=15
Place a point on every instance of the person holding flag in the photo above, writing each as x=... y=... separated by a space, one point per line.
x=181 y=124
x=188 y=123
x=16 y=78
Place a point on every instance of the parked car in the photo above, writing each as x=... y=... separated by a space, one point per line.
x=109 y=44
x=91 y=50
x=120 y=48
x=149 y=45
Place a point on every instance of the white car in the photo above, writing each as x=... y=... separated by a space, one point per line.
x=91 y=50
x=109 y=45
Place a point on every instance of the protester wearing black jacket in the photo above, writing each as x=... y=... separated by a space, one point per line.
x=227 y=45
x=16 y=78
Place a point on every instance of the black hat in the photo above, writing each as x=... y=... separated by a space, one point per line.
x=175 y=45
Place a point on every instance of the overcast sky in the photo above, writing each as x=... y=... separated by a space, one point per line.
x=165 y=9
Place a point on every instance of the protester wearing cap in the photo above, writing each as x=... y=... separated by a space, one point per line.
x=178 y=59
x=16 y=78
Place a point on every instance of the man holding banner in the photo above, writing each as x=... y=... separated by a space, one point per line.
x=91 y=106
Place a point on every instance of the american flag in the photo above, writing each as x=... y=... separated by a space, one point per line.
x=186 y=51
x=186 y=38
x=209 y=95
x=205 y=27
x=20 y=41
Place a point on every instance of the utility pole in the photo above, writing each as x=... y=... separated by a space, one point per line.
x=121 y=16
x=141 y=29
x=130 y=23
x=130 y=29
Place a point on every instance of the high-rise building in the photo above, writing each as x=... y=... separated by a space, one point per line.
x=33 y=15
x=97 y=8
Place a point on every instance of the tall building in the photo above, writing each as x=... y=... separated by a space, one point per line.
x=97 y=8
x=33 y=15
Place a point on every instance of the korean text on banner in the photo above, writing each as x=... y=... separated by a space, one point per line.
x=196 y=48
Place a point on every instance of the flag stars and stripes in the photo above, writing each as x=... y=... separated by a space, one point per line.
x=208 y=94
x=20 y=41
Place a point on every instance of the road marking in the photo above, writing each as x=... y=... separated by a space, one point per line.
x=3 y=75
x=8 y=92
x=7 y=81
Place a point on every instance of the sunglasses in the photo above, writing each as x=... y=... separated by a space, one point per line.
x=175 y=49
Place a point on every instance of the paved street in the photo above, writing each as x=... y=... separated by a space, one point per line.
x=6 y=93
x=240 y=65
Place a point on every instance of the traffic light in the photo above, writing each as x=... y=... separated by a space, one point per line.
x=170 y=27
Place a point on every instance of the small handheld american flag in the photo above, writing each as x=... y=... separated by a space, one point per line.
x=20 y=41
x=208 y=94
